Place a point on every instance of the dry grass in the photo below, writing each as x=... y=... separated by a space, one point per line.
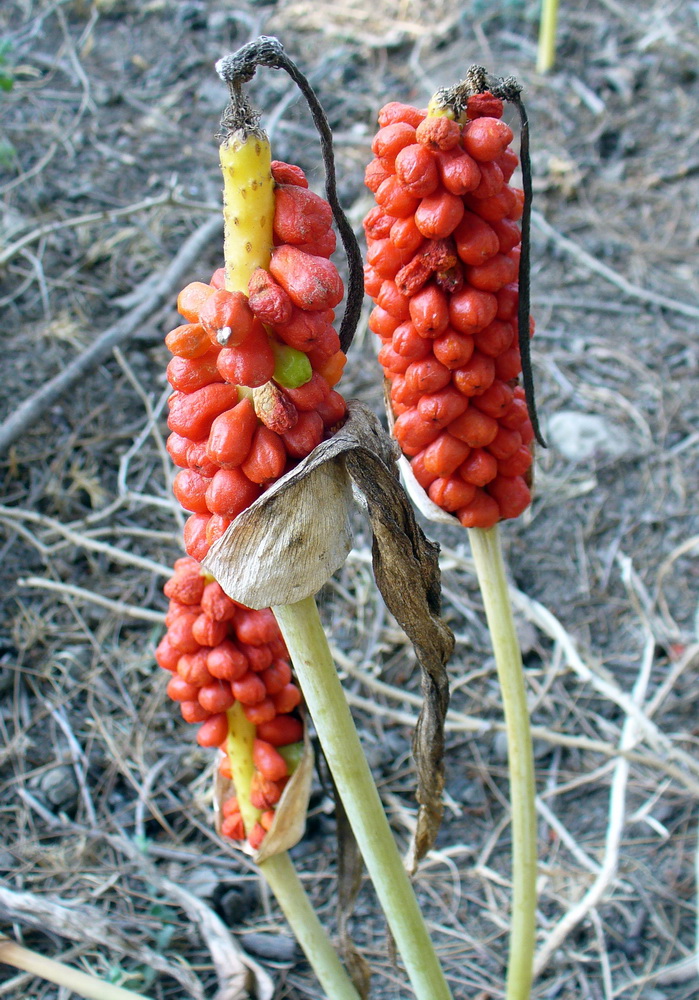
x=104 y=797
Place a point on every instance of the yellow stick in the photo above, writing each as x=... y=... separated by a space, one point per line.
x=546 y=51
x=72 y=979
x=248 y=207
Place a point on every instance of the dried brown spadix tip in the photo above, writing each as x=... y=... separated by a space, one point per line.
x=274 y=408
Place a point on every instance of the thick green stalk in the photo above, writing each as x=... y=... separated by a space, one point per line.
x=282 y=879
x=77 y=982
x=487 y=555
x=546 y=51
x=325 y=699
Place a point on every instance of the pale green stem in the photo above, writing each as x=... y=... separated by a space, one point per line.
x=78 y=982
x=282 y=879
x=325 y=699
x=546 y=51
x=487 y=555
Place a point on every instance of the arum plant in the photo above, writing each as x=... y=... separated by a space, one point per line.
x=299 y=535
x=253 y=372
x=448 y=271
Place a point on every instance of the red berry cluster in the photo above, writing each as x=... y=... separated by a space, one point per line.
x=442 y=268
x=220 y=652
x=229 y=448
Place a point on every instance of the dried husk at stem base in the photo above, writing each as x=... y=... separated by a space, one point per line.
x=289 y=814
x=287 y=544
x=427 y=507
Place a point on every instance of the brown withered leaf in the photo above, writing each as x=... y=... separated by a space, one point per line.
x=289 y=542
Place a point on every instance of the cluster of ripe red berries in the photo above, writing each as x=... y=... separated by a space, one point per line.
x=443 y=261
x=278 y=342
x=220 y=652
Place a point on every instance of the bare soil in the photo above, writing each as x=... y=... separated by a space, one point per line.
x=103 y=791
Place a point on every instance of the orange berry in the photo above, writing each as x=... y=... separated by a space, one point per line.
x=416 y=169
x=188 y=341
x=395 y=111
x=443 y=456
x=268 y=761
x=474 y=428
x=216 y=697
x=512 y=495
x=190 y=491
x=216 y=604
x=450 y=493
x=208 y=632
x=167 y=655
x=192 y=298
x=479 y=468
x=227 y=318
x=438 y=215
x=276 y=677
x=195 y=541
x=505 y=443
x=249 y=689
x=192 y=668
x=312 y=283
x=226 y=662
x=192 y=711
x=267 y=456
x=213 y=732
x=251 y=362
x=262 y=711
x=486 y=138
x=470 y=310
x=281 y=731
x=391 y=139
x=429 y=311
x=230 y=492
x=179 y=690
x=395 y=199
x=192 y=414
x=287 y=699
x=481 y=512
x=476 y=376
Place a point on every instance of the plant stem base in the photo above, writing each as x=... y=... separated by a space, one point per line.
x=325 y=699
x=487 y=555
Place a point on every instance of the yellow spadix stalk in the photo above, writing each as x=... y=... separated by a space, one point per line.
x=248 y=216
x=248 y=206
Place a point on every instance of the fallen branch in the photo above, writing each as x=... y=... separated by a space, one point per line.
x=86 y=924
x=615 y=827
x=32 y=408
x=592 y=264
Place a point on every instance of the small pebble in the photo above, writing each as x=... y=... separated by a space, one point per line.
x=581 y=436
x=274 y=947
x=60 y=787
